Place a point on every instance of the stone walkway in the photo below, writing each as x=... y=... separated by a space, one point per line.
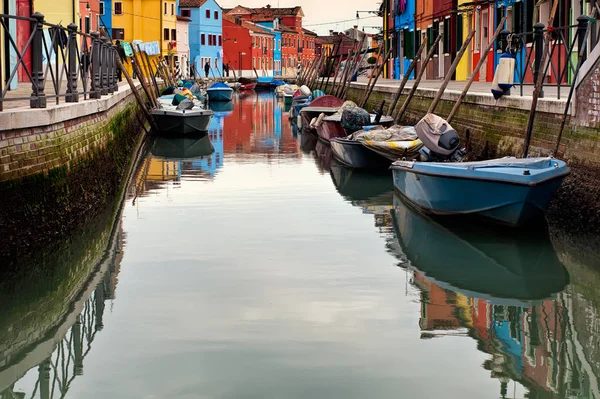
x=550 y=93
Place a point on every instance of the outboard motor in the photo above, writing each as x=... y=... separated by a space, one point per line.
x=441 y=142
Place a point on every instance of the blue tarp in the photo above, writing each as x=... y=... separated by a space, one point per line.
x=219 y=85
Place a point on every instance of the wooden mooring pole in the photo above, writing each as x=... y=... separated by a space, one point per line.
x=482 y=61
x=539 y=84
x=450 y=72
x=418 y=79
x=379 y=72
x=411 y=68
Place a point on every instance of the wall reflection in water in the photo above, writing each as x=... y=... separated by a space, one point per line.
x=47 y=367
x=506 y=289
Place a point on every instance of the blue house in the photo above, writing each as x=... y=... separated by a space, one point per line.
x=404 y=34
x=105 y=14
x=205 y=34
x=273 y=27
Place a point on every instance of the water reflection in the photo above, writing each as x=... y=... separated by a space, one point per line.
x=251 y=281
x=45 y=363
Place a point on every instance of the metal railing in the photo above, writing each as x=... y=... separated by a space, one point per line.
x=560 y=68
x=57 y=53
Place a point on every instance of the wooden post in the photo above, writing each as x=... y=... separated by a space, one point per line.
x=582 y=31
x=146 y=69
x=418 y=80
x=356 y=65
x=315 y=73
x=448 y=77
x=304 y=74
x=142 y=78
x=152 y=73
x=482 y=60
x=379 y=71
x=373 y=71
x=348 y=68
x=139 y=99
x=539 y=84
x=412 y=66
x=343 y=78
x=332 y=67
x=336 y=73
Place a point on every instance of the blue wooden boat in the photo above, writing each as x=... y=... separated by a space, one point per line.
x=219 y=92
x=507 y=190
x=264 y=82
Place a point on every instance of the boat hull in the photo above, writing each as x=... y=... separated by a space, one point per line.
x=329 y=130
x=248 y=86
x=180 y=148
x=221 y=94
x=502 y=201
x=182 y=122
x=353 y=154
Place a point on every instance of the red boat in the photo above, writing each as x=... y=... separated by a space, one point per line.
x=248 y=86
x=327 y=105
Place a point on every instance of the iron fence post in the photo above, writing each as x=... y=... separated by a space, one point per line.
x=110 y=61
x=582 y=26
x=72 y=94
x=503 y=41
x=95 y=66
x=538 y=43
x=115 y=67
x=104 y=67
x=37 y=98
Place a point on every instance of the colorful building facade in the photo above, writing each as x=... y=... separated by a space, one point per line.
x=205 y=34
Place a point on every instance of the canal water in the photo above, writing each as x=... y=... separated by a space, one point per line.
x=250 y=265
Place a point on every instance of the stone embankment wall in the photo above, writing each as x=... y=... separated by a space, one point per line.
x=59 y=167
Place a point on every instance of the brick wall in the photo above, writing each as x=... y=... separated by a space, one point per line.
x=500 y=130
x=588 y=99
x=25 y=152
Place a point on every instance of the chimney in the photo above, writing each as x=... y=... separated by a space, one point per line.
x=330 y=32
x=355 y=27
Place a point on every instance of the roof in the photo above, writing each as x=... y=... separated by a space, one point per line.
x=287 y=29
x=191 y=3
x=267 y=12
x=184 y=19
x=309 y=32
x=256 y=28
x=333 y=39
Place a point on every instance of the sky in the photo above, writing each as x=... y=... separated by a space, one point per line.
x=323 y=12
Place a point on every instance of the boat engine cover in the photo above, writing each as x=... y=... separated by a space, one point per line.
x=437 y=135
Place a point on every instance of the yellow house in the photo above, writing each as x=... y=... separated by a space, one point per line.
x=145 y=20
x=61 y=12
x=464 y=26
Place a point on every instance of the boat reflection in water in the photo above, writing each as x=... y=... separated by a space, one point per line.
x=181 y=147
x=502 y=265
x=357 y=186
x=504 y=289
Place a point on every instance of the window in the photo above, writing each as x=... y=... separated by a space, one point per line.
x=447 y=36
x=88 y=24
x=118 y=8
x=101 y=9
x=118 y=34
x=208 y=14
x=186 y=13
x=173 y=34
x=220 y=40
x=202 y=40
x=216 y=15
x=172 y=9
x=165 y=8
x=209 y=40
x=166 y=34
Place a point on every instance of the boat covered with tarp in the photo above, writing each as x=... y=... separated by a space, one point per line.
x=219 y=91
x=508 y=190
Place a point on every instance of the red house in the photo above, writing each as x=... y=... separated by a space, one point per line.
x=247 y=47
